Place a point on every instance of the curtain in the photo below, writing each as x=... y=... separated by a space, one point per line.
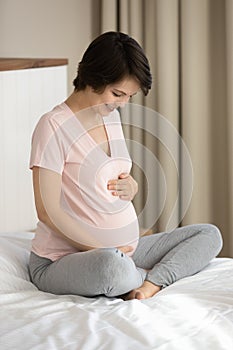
x=189 y=44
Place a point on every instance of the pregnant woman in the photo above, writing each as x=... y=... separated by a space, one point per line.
x=87 y=238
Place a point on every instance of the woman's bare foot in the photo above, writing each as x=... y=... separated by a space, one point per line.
x=147 y=290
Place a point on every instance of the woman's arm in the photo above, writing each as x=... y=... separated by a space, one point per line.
x=47 y=192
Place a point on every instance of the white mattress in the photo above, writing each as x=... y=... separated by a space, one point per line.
x=193 y=313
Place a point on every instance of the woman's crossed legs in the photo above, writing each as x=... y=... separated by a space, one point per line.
x=159 y=260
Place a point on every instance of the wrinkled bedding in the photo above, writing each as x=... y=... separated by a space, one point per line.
x=193 y=313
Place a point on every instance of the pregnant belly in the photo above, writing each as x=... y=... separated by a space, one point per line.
x=114 y=229
x=107 y=220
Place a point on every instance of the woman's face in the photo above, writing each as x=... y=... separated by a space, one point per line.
x=115 y=95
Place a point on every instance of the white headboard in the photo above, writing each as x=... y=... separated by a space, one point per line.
x=25 y=94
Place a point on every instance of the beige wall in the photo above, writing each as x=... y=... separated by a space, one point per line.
x=46 y=28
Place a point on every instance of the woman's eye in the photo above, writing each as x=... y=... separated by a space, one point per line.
x=116 y=94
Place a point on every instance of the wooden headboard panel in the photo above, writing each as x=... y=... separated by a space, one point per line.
x=28 y=88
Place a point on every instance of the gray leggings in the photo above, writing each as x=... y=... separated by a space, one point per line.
x=108 y=271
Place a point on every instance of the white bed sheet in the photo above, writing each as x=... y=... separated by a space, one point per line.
x=193 y=313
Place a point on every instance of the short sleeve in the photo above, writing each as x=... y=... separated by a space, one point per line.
x=47 y=150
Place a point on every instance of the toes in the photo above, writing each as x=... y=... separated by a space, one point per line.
x=139 y=295
x=135 y=294
x=130 y=295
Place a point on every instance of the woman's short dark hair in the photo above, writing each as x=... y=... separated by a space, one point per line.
x=108 y=59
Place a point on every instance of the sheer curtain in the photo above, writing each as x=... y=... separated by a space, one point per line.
x=189 y=44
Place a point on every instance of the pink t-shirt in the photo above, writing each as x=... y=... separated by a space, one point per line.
x=60 y=143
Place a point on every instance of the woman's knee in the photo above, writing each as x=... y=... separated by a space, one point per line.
x=214 y=235
x=119 y=273
x=115 y=263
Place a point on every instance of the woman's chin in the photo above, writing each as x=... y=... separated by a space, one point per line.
x=104 y=109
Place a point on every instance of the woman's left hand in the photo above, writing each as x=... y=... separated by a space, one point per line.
x=125 y=187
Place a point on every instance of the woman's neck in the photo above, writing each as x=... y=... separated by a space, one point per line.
x=79 y=104
x=78 y=101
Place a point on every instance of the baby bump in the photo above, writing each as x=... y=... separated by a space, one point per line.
x=115 y=230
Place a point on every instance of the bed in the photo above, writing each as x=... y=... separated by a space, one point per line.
x=193 y=313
